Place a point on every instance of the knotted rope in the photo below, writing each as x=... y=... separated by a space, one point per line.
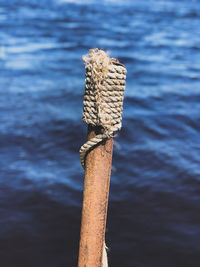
x=103 y=99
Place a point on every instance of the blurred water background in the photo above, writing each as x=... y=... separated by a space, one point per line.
x=154 y=208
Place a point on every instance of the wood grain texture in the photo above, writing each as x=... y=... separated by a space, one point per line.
x=95 y=201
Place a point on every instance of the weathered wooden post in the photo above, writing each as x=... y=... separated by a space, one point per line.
x=103 y=103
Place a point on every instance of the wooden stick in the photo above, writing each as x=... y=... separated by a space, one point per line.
x=95 y=201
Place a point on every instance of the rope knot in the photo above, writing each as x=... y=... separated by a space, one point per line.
x=104 y=89
x=104 y=93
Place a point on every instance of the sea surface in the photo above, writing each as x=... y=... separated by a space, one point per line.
x=154 y=207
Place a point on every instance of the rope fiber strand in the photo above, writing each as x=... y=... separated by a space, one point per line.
x=103 y=101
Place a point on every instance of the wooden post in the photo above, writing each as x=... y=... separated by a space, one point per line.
x=95 y=201
x=103 y=103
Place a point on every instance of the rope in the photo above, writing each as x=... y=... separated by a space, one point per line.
x=103 y=98
x=103 y=101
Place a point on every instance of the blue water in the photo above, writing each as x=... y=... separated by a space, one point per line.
x=154 y=208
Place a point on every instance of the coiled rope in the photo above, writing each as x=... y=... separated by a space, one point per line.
x=103 y=101
x=103 y=98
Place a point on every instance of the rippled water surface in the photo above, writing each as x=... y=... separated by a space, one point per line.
x=154 y=208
